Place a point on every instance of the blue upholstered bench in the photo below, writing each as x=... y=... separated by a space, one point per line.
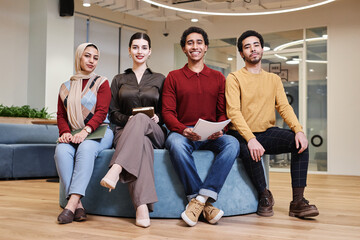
x=27 y=150
x=237 y=196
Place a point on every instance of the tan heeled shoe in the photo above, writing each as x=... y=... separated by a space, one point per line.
x=143 y=222
x=113 y=173
x=142 y=216
x=106 y=182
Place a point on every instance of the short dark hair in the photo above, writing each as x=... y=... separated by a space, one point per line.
x=140 y=35
x=249 y=33
x=190 y=30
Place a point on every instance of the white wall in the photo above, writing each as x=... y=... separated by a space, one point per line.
x=37 y=54
x=14 y=42
x=38 y=45
x=343 y=87
x=59 y=53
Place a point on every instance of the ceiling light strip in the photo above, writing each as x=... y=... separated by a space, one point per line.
x=297 y=42
x=238 y=14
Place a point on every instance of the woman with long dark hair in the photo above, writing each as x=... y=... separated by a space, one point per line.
x=136 y=135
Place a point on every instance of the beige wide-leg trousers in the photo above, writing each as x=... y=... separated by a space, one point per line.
x=134 y=152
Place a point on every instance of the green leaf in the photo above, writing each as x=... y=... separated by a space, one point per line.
x=24 y=111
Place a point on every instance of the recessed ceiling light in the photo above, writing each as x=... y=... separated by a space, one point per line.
x=238 y=14
x=266 y=48
x=86 y=3
x=229 y=58
x=194 y=20
x=311 y=70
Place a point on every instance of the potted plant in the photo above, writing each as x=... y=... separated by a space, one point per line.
x=24 y=114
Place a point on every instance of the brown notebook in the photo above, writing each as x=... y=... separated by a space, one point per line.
x=146 y=110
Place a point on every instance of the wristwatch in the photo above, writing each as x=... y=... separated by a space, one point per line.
x=87 y=129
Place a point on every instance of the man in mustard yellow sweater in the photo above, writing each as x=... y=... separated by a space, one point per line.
x=252 y=95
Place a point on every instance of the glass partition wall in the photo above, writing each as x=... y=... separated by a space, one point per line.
x=299 y=57
x=316 y=74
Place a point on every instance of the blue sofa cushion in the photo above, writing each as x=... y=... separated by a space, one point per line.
x=34 y=160
x=28 y=133
x=27 y=150
x=6 y=168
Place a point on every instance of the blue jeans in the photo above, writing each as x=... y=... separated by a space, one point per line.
x=75 y=162
x=180 y=148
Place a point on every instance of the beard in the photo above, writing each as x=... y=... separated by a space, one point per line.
x=254 y=60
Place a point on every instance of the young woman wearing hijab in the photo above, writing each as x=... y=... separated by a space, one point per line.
x=136 y=135
x=83 y=105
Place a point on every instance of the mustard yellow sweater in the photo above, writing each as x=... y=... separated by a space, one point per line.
x=251 y=100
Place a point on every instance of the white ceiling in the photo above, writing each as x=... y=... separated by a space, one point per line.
x=150 y=12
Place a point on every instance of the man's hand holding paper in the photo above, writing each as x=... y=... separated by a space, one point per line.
x=209 y=130
x=216 y=135
x=189 y=134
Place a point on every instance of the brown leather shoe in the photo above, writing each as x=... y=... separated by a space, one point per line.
x=80 y=215
x=266 y=203
x=303 y=209
x=66 y=216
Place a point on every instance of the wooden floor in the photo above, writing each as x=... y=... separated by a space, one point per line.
x=29 y=208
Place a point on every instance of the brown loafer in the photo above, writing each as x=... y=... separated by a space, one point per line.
x=302 y=209
x=265 y=205
x=80 y=215
x=66 y=216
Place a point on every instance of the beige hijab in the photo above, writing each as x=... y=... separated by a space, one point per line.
x=74 y=111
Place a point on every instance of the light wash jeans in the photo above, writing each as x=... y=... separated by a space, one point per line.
x=75 y=162
x=180 y=148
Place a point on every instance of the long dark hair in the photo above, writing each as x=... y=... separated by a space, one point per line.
x=140 y=35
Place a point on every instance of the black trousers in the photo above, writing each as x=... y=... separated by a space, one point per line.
x=275 y=141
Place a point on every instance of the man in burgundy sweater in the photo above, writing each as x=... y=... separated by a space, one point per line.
x=192 y=92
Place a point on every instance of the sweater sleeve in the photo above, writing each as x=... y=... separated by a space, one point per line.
x=169 y=113
x=116 y=116
x=285 y=110
x=221 y=103
x=233 y=107
x=62 y=119
x=102 y=106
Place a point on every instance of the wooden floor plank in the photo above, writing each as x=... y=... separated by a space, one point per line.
x=29 y=208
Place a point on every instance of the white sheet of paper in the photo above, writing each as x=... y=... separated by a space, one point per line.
x=205 y=128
